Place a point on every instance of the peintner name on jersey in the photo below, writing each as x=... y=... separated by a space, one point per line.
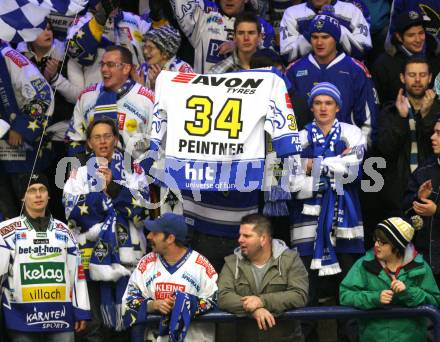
x=215 y=125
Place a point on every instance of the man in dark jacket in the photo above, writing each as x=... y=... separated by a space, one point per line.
x=410 y=40
x=404 y=129
x=423 y=199
x=261 y=279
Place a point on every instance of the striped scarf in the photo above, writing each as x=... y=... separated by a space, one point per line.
x=106 y=103
x=324 y=255
x=413 y=161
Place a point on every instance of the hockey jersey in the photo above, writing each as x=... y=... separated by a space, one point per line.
x=45 y=289
x=355 y=30
x=135 y=109
x=88 y=40
x=215 y=127
x=35 y=103
x=351 y=77
x=218 y=213
x=155 y=279
x=207 y=28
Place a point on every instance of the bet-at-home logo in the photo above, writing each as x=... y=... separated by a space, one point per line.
x=42 y=273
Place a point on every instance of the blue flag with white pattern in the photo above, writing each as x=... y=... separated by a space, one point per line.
x=24 y=20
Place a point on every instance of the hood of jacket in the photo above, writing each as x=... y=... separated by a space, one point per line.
x=278 y=247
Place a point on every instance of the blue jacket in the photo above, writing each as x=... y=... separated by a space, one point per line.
x=351 y=77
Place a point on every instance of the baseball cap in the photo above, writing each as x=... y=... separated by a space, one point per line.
x=169 y=223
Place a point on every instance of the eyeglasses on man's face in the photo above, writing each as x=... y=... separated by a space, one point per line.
x=110 y=65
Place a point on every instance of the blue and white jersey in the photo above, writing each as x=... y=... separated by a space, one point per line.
x=215 y=126
x=45 y=288
x=207 y=28
x=155 y=279
x=219 y=213
x=351 y=77
x=355 y=29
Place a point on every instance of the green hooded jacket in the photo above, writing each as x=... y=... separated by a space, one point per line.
x=367 y=278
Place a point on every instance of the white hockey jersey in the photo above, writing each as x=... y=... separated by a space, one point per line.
x=134 y=117
x=155 y=279
x=45 y=288
x=215 y=128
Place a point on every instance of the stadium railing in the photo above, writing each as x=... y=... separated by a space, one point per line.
x=330 y=312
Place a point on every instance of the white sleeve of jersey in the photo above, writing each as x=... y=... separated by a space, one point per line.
x=359 y=36
x=280 y=120
x=136 y=291
x=75 y=74
x=5 y=251
x=187 y=13
x=350 y=161
x=144 y=25
x=69 y=90
x=80 y=294
x=292 y=43
x=29 y=85
x=159 y=120
x=76 y=131
x=208 y=284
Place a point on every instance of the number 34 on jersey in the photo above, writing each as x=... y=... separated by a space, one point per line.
x=215 y=126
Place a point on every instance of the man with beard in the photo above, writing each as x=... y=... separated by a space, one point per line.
x=411 y=40
x=404 y=131
x=263 y=278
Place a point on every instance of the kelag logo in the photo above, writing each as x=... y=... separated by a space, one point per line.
x=42 y=273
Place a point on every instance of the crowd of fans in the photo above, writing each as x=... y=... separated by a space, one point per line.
x=87 y=90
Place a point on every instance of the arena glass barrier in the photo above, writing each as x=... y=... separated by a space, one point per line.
x=317 y=313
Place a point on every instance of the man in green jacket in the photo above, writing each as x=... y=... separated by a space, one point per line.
x=261 y=279
x=391 y=273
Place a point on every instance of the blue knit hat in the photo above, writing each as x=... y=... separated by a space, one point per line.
x=325 y=88
x=323 y=23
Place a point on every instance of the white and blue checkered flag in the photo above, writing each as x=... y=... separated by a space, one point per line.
x=24 y=20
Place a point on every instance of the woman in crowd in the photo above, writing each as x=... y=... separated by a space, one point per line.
x=160 y=50
x=391 y=273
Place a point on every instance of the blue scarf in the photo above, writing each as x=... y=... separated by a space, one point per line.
x=177 y=324
x=185 y=307
x=8 y=103
x=106 y=103
x=324 y=255
x=339 y=224
x=106 y=251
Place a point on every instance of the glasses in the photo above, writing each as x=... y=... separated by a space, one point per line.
x=380 y=242
x=34 y=191
x=105 y=137
x=110 y=65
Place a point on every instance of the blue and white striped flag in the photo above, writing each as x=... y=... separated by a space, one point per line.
x=24 y=20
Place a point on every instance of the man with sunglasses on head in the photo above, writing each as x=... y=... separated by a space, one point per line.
x=117 y=97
